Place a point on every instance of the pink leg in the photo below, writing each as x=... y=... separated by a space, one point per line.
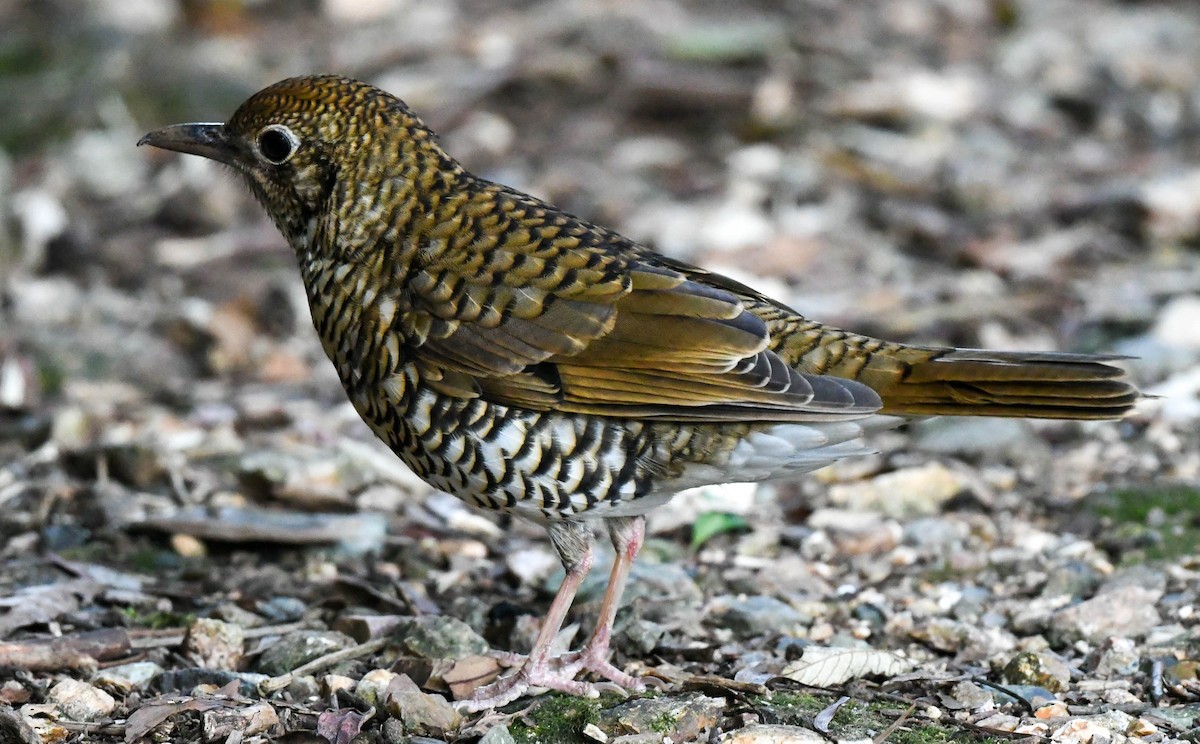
x=573 y=542
x=627 y=535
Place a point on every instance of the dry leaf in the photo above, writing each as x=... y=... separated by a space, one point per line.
x=821 y=666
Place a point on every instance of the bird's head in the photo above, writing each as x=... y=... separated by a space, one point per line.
x=295 y=140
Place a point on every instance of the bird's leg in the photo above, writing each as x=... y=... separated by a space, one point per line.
x=627 y=534
x=573 y=541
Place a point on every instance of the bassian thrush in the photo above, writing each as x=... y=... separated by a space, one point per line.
x=528 y=361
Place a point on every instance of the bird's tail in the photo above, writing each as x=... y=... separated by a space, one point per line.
x=930 y=381
x=971 y=382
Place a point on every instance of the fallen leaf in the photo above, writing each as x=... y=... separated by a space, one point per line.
x=821 y=666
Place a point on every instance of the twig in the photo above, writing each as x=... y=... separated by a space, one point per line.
x=274 y=684
x=887 y=732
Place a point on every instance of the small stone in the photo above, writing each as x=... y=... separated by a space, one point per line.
x=332 y=684
x=421 y=713
x=977 y=437
x=531 y=565
x=763 y=733
x=188 y=546
x=215 y=644
x=1119 y=658
x=1043 y=669
x=132 y=676
x=248 y=720
x=1125 y=611
x=1057 y=709
x=13 y=692
x=303 y=687
x=1073 y=579
x=442 y=637
x=300 y=647
x=1030 y=694
x=967 y=695
x=592 y=732
x=907 y=492
x=373 y=685
x=1082 y=731
x=681 y=719
x=753 y=616
x=80 y=701
x=498 y=735
x=1000 y=722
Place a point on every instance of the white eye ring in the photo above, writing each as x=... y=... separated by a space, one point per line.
x=276 y=144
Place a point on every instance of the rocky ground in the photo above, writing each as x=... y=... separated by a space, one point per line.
x=199 y=541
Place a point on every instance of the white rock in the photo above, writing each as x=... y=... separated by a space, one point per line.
x=373 y=685
x=1082 y=731
x=1174 y=204
x=729 y=498
x=1179 y=322
x=901 y=493
x=760 y=733
x=134 y=675
x=42 y=218
x=80 y=701
x=105 y=164
x=360 y=10
x=735 y=225
x=136 y=16
x=532 y=564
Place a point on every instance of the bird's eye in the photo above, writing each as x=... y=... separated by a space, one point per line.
x=276 y=143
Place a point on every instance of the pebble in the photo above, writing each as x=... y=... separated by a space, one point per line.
x=215 y=644
x=967 y=695
x=1038 y=668
x=771 y=733
x=1082 y=731
x=498 y=735
x=300 y=647
x=753 y=616
x=532 y=565
x=907 y=492
x=1119 y=658
x=1127 y=611
x=679 y=718
x=371 y=688
x=80 y=701
x=442 y=637
x=132 y=676
x=976 y=437
x=221 y=724
x=421 y=713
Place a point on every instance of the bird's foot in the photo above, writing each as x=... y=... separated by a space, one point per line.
x=545 y=674
x=591 y=659
x=595 y=660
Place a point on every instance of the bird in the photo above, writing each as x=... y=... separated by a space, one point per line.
x=531 y=362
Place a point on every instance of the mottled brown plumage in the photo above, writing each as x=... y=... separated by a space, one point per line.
x=527 y=360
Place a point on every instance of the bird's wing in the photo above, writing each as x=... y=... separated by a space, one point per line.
x=559 y=324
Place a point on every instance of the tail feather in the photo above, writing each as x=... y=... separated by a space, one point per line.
x=970 y=382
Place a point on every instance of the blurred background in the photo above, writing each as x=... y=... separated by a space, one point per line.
x=988 y=172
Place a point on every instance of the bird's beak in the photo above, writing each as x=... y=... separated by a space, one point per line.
x=209 y=140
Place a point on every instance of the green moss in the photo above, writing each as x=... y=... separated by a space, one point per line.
x=558 y=718
x=790 y=708
x=158 y=620
x=1176 y=534
x=664 y=724
x=929 y=733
